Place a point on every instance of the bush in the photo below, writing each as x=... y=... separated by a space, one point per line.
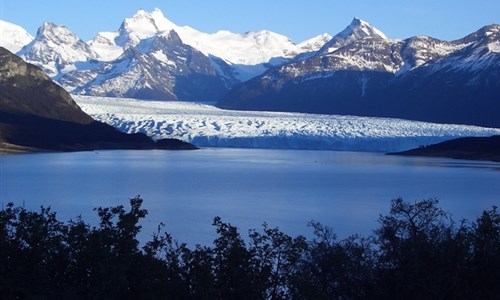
x=418 y=252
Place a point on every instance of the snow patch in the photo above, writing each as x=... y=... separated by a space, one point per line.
x=159 y=55
x=494 y=47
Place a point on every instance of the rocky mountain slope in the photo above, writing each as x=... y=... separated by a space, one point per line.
x=361 y=72
x=27 y=90
x=161 y=67
x=37 y=114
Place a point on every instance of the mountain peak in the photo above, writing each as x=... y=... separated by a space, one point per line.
x=144 y=20
x=47 y=26
x=56 y=49
x=357 y=21
x=56 y=33
x=143 y=25
x=361 y=29
x=358 y=29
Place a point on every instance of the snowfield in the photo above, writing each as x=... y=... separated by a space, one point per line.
x=208 y=126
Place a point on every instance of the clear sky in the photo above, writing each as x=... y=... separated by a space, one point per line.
x=297 y=19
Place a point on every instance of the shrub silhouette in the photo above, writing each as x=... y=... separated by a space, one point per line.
x=418 y=252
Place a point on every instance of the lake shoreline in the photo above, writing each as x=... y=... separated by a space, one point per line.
x=469 y=148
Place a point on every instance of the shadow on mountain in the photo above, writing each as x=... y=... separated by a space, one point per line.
x=42 y=134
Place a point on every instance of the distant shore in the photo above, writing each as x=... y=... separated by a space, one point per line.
x=471 y=148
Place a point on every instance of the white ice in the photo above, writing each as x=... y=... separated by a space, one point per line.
x=208 y=126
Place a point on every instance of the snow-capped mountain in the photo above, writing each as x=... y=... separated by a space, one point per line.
x=248 y=53
x=13 y=37
x=475 y=53
x=419 y=50
x=143 y=25
x=160 y=67
x=250 y=48
x=357 y=30
x=57 y=50
x=362 y=72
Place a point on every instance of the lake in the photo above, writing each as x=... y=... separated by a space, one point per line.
x=246 y=187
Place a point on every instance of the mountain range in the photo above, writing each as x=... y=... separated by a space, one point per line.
x=150 y=57
x=362 y=72
x=359 y=71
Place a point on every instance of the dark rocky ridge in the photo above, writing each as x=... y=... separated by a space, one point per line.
x=27 y=90
x=38 y=115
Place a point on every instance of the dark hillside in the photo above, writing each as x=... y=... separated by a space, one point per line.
x=477 y=148
x=38 y=115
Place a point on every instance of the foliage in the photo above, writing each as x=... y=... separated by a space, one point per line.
x=418 y=252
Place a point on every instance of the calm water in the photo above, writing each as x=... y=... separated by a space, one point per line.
x=285 y=188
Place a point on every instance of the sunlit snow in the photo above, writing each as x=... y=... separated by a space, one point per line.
x=13 y=37
x=245 y=52
x=207 y=126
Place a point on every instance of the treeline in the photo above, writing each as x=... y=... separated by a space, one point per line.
x=417 y=252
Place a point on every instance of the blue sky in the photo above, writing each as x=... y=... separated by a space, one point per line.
x=299 y=20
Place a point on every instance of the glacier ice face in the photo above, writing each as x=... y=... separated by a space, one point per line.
x=207 y=126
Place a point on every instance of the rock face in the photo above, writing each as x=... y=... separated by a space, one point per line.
x=26 y=89
x=361 y=72
x=37 y=114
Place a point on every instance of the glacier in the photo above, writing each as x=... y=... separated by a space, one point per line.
x=204 y=125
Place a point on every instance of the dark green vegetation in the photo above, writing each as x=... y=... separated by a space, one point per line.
x=417 y=252
x=476 y=148
x=38 y=115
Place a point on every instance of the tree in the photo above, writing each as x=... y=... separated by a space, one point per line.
x=333 y=269
x=484 y=266
x=275 y=256
x=418 y=252
x=421 y=252
x=232 y=264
